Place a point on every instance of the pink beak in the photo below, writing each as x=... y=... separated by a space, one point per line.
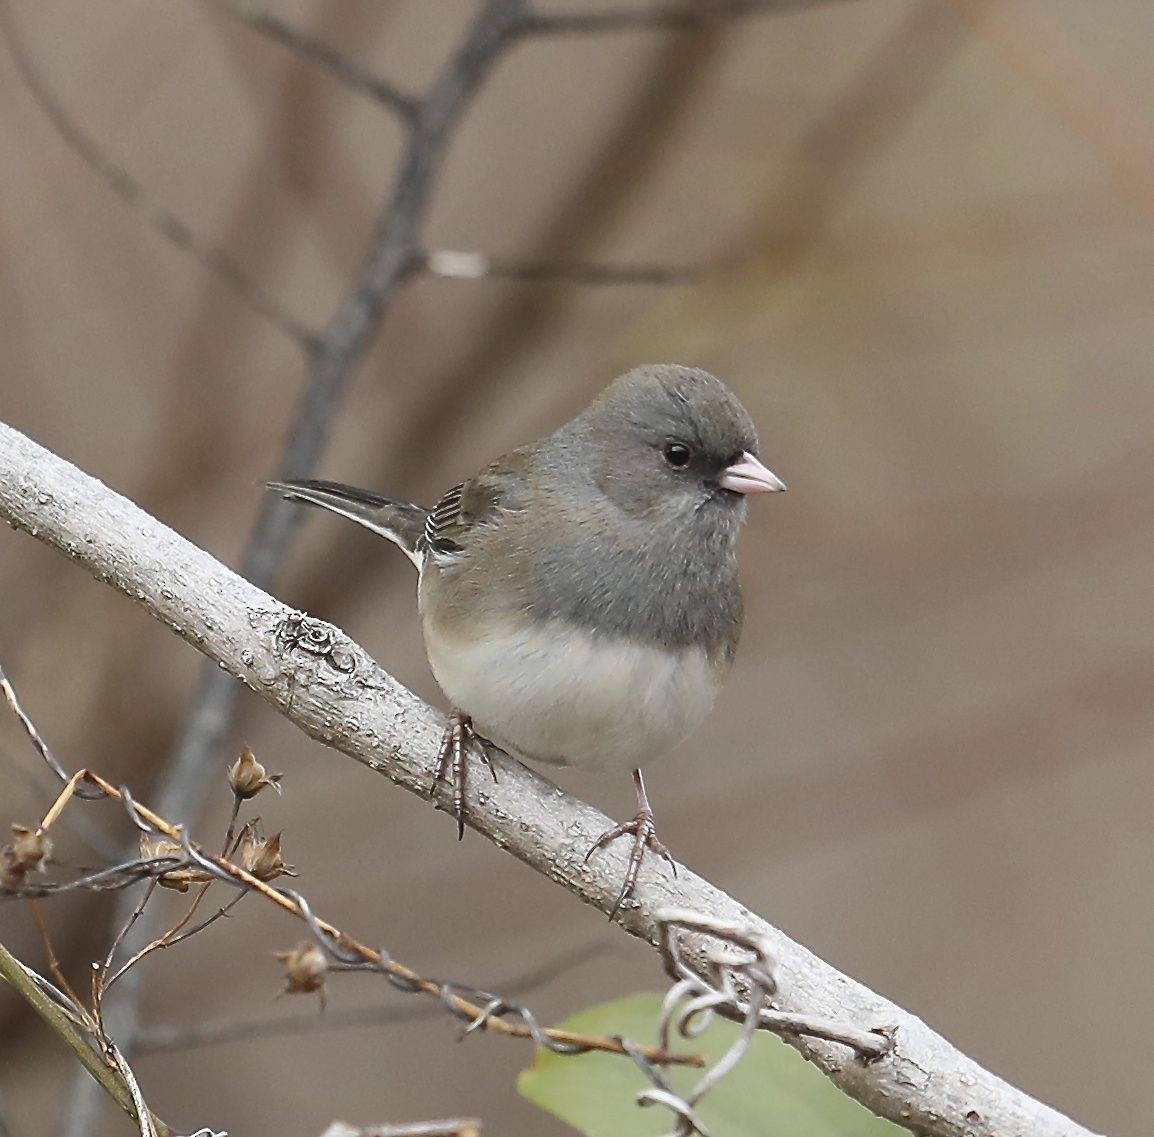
x=748 y=475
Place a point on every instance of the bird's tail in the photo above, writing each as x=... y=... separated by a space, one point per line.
x=401 y=522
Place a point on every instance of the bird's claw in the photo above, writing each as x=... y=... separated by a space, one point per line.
x=459 y=738
x=455 y=743
x=644 y=834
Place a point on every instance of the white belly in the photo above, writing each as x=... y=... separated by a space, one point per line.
x=566 y=697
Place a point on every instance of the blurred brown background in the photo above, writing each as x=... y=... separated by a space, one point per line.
x=931 y=227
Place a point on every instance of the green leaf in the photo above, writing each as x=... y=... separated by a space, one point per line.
x=773 y=1091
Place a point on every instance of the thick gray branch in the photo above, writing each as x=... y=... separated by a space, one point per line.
x=330 y=688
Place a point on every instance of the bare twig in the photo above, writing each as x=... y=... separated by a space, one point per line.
x=133 y=193
x=101 y=980
x=34 y=735
x=110 y=879
x=691 y=1002
x=82 y=828
x=457 y=1127
x=721 y=996
x=54 y=968
x=678 y=14
x=338 y=695
x=178 y=933
x=479 y=1009
x=352 y=74
x=159 y=1038
x=667 y=90
x=143 y=1116
x=110 y=1077
x=456 y=265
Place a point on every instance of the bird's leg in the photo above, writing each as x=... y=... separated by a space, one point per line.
x=644 y=835
x=459 y=738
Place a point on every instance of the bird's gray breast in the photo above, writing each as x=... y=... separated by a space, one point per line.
x=673 y=587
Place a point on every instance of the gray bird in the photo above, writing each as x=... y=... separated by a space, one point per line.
x=579 y=596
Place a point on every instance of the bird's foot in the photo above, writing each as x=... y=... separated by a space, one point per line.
x=644 y=834
x=459 y=738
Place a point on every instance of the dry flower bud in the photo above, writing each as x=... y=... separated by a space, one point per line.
x=27 y=852
x=262 y=857
x=29 y=849
x=304 y=969
x=153 y=847
x=248 y=777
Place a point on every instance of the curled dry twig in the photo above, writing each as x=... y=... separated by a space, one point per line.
x=756 y=971
x=740 y=981
x=691 y=1003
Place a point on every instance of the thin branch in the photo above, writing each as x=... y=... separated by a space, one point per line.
x=110 y=879
x=54 y=968
x=349 y=72
x=24 y=981
x=457 y=1127
x=667 y=90
x=691 y=1002
x=265 y=1026
x=655 y=17
x=81 y=827
x=338 y=695
x=457 y=265
x=144 y=1119
x=869 y=1045
x=133 y=193
x=34 y=735
x=101 y=981
x=480 y=1010
x=172 y=937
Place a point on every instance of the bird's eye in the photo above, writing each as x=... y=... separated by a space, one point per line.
x=677 y=454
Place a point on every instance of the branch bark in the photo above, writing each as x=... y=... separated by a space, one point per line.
x=332 y=690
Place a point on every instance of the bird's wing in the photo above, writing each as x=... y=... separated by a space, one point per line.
x=471 y=506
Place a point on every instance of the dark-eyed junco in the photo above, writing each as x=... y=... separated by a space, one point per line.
x=579 y=596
